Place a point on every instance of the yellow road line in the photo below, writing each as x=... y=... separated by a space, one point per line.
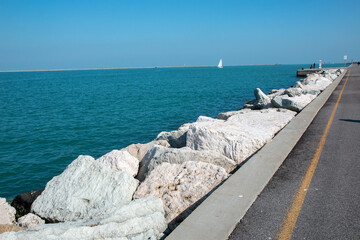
x=289 y=221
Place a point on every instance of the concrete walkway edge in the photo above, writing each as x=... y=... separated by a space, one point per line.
x=219 y=214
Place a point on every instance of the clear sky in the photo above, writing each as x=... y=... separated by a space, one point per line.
x=54 y=34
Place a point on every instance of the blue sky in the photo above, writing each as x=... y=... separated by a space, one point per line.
x=55 y=34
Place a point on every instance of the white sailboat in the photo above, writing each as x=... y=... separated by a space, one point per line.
x=220 y=64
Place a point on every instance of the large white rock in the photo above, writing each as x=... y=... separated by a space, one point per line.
x=7 y=212
x=158 y=154
x=314 y=82
x=239 y=136
x=86 y=188
x=180 y=185
x=120 y=161
x=177 y=138
x=30 y=220
x=296 y=103
x=140 y=219
x=139 y=150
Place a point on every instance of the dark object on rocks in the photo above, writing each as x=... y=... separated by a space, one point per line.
x=22 y=203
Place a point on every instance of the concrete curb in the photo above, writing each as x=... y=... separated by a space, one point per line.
x=219 y=214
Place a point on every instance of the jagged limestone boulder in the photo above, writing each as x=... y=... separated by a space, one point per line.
x=296 y=103
x=158 y=154
x=262 y=100
x=292 y=92
x=177 y=138
x=7 y=213
x=139 y=150
x=239 y=136
x=85 y=189
x=30 y=220
x=140 y=219
x=120 y=161
x=181 y=185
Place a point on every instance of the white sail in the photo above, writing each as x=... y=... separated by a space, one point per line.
x=220 y=64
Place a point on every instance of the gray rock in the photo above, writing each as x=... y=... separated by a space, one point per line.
x=7 y=213
x=249 y=104
x=158 y=154
x=292 y=92
x=86 y=188
x=276 y=92
x=298 y=84
x=296 y=103
x=139 y=150
x=140 y=219
x=313 y=92
x=177 y=138
x=262 y=101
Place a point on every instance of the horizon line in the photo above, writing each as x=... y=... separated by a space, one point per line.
x=116 y=68
x=119 y=68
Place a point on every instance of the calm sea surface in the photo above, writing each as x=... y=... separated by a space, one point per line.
x=47 y=119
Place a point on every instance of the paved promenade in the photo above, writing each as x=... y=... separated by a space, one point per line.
x=316 y=192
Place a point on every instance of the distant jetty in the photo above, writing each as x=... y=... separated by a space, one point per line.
x=303 y=72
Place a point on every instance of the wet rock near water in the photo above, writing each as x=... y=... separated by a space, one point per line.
x=22 y=202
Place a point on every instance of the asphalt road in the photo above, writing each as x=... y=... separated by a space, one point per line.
x=331 y=209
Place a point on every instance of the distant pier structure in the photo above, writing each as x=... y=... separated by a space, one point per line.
x=304 y=72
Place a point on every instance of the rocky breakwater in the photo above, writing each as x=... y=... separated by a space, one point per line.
x=140 y=191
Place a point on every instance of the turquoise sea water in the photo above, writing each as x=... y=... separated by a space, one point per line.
x=47 y=119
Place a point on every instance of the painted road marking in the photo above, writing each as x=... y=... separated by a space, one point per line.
x=288 y=223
